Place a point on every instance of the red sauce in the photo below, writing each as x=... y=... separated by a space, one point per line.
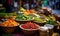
x=30 y=25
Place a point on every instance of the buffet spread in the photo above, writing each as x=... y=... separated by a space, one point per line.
x=29 y=23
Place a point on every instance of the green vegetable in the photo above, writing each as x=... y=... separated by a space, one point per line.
x=23 y=17
x=40 y=20
x=51 y=22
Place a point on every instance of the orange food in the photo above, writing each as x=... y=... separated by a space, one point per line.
x=29 y=12
x=26 y=13
x=32 y=11
x=9 y=23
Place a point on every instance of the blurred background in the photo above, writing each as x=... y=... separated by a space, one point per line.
x=14 y=5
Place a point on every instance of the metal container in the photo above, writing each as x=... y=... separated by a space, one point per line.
x=43 y=31
x=50 y=27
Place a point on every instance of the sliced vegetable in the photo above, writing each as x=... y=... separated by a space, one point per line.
x=24 y=17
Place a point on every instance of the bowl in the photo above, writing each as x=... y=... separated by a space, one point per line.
x=24 y=21
x=39 y=23
x=9 y=29
x=29 y=31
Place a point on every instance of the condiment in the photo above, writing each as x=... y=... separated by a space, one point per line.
x=30 y=25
